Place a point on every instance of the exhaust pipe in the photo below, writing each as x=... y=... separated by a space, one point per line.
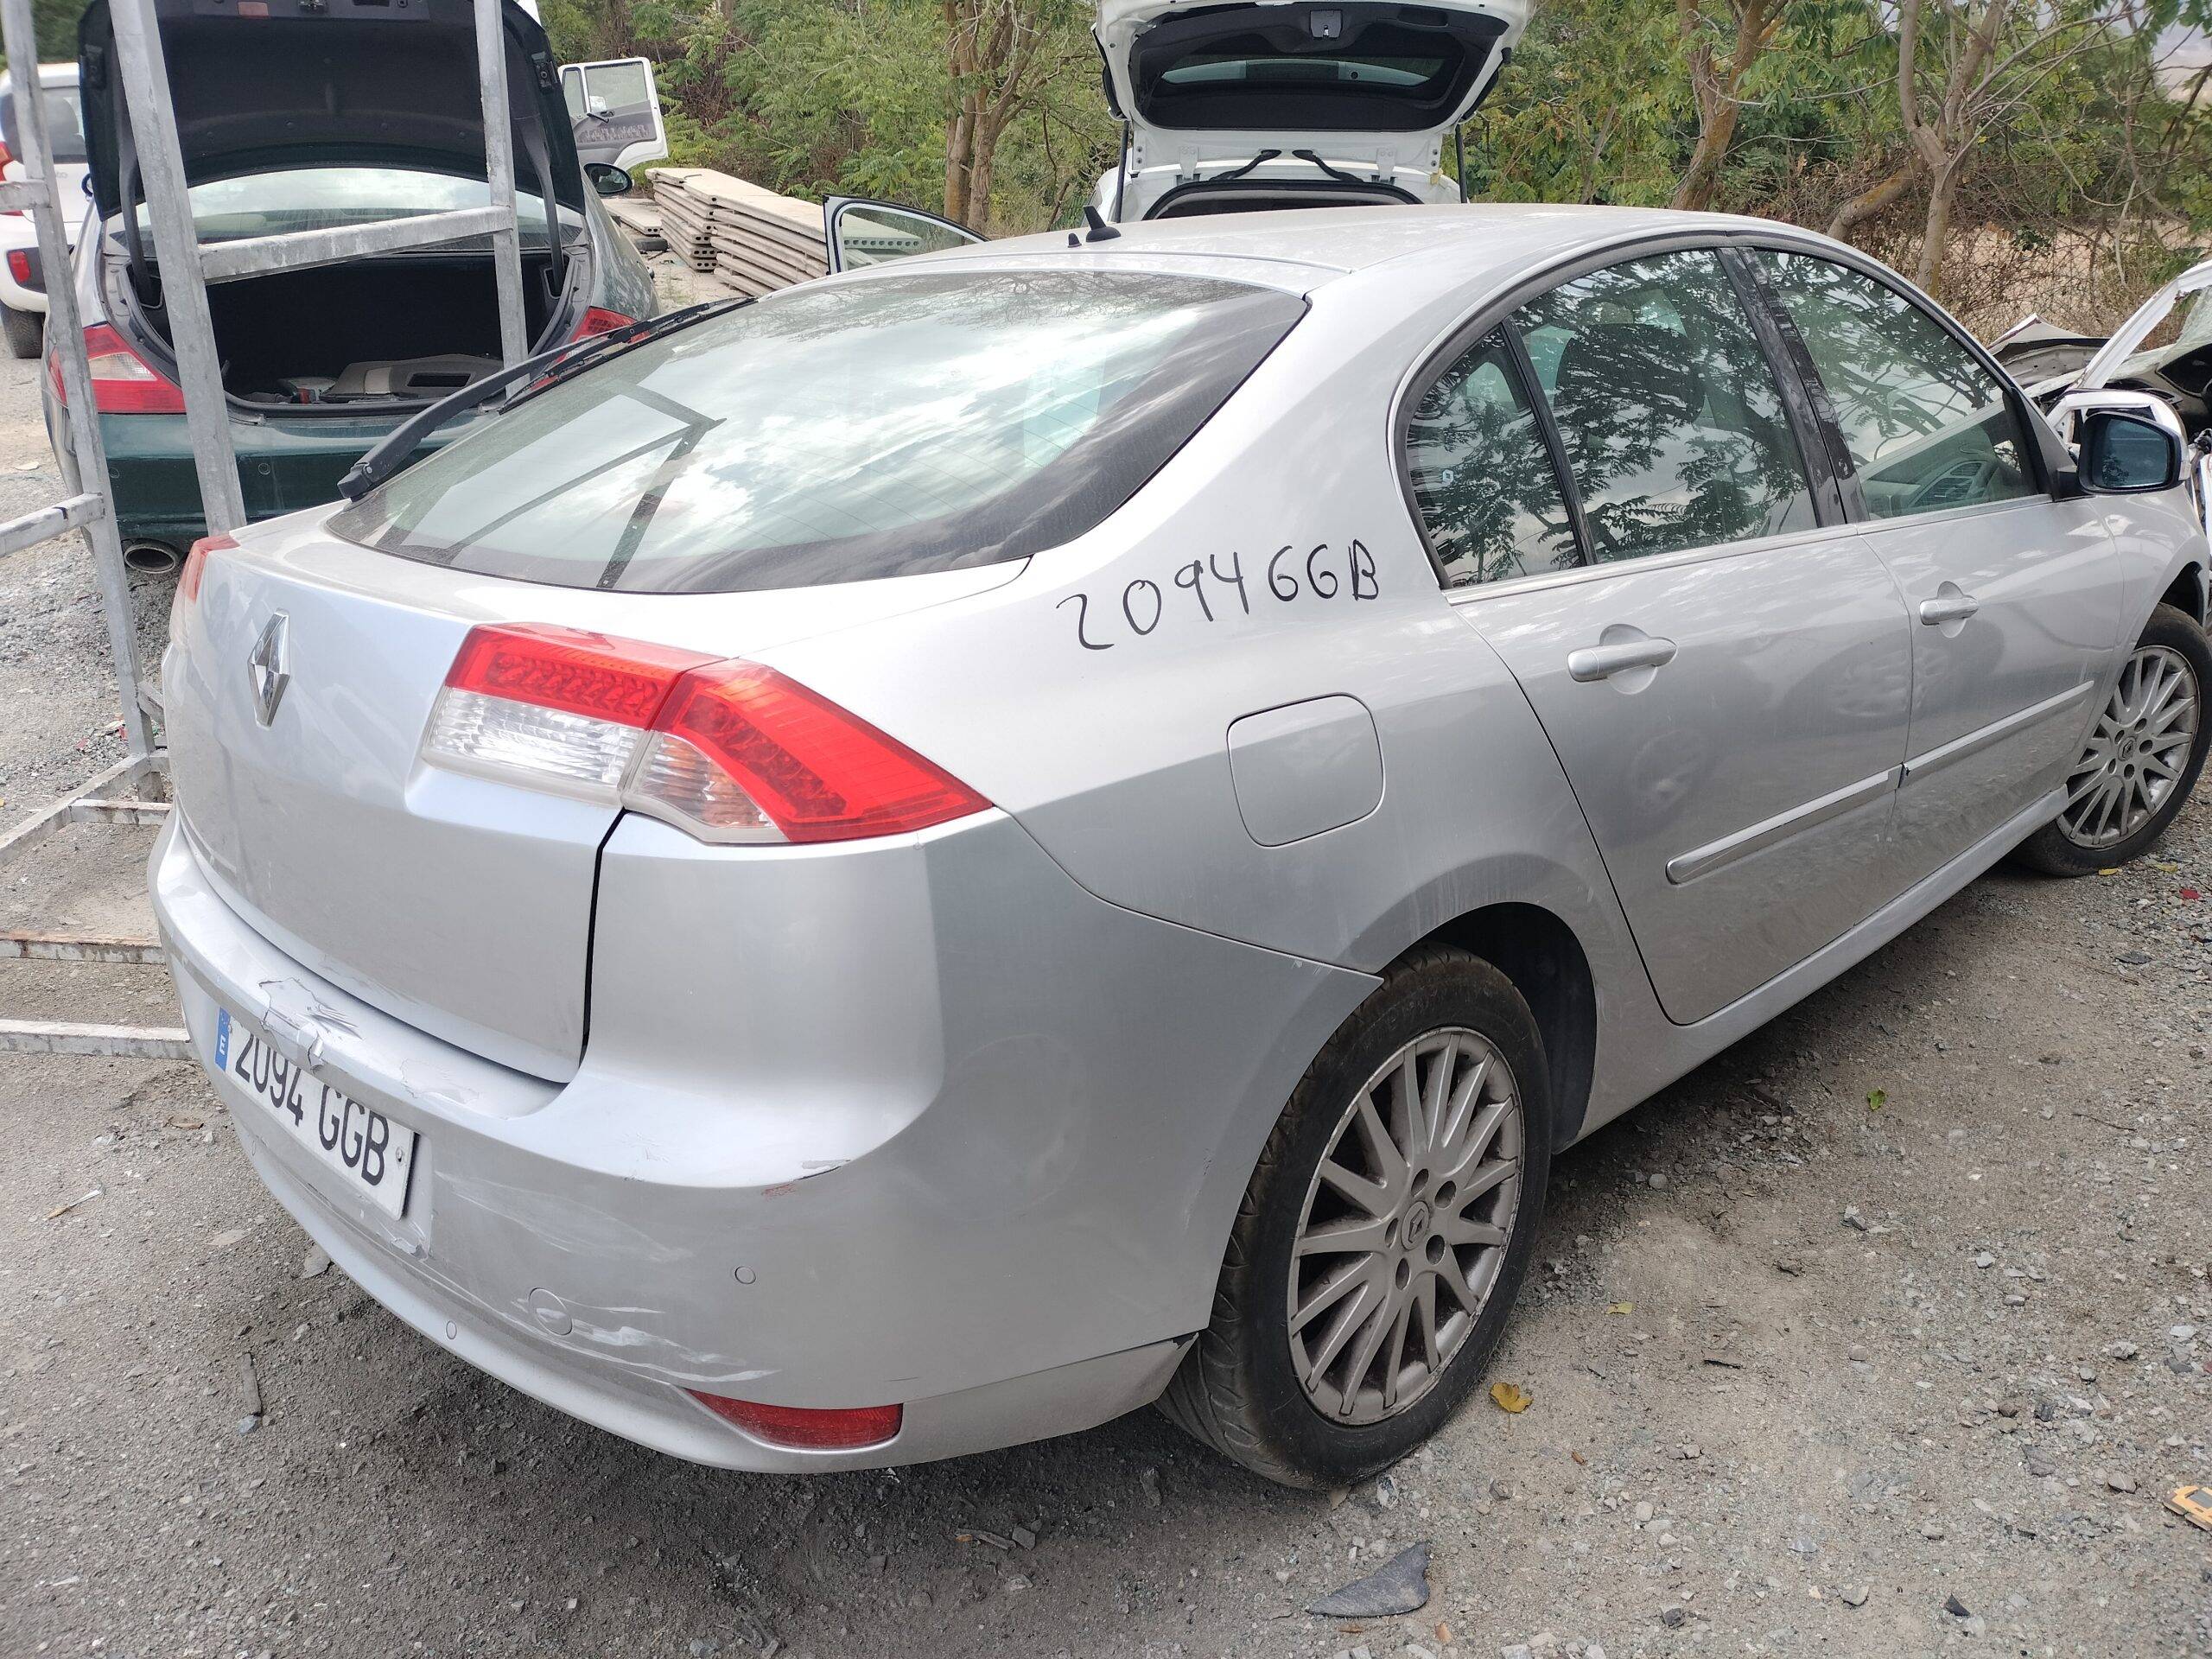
x=152 y=558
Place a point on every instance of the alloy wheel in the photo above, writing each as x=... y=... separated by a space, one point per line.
x=2138 y=751
x=1405 y=1226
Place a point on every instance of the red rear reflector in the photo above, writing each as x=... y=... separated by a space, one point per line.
x=817 y=771
x=195 y=562
x=621 y=681
x=805 y=1429
x=121 y=382
x=19 y=263
x=598 y=319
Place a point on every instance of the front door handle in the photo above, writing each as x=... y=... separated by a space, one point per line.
x=1602 y=662
x=1951 y=603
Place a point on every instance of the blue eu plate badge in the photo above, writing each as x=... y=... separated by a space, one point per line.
x=222 y=1039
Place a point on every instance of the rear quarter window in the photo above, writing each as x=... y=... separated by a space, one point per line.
x=839 y=433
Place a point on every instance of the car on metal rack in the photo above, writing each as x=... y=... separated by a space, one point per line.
x=323 y=113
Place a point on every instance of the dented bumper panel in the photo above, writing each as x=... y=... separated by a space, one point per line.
x=853 y=1128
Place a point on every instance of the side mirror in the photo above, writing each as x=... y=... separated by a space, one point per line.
x=2126 y=454
x=608 y=179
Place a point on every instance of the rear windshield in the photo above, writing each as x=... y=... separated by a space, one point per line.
x=1365 y=67
x=328 y=198
x=839 y=433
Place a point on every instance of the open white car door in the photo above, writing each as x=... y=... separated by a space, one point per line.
x=614 y=111
x=1284 y=99
x=862 y=232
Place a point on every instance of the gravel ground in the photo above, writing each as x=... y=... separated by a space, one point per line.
x=1885 y=1333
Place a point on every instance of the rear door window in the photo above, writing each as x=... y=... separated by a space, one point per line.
x=1928 y=426
x=839 y=432
x=1482 y=475
x=1674 y=430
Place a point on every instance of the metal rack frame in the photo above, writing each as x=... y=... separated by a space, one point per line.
x=127 y=793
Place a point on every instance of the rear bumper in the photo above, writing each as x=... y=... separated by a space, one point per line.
x=1010 y=1234
x=284 y=466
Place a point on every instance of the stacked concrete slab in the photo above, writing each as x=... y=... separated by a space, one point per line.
x=751 y=237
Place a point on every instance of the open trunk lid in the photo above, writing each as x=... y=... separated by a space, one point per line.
x=1360 y=85
x=276 y=84
x=458 y=903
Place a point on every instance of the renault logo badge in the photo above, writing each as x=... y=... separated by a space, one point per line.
x=270 y=675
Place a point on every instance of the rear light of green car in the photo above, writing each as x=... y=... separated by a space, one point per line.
x=122 y=382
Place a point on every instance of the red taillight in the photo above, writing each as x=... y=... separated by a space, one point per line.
x=726 y=751
x=195 y=562
x=809 y=768
x=188 y=580
x=623 y=681
x=598 y=319
x=807 y=1429
x=121 y=382
x=19 y=263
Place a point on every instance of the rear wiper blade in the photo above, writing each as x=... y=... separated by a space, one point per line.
x=398 y=447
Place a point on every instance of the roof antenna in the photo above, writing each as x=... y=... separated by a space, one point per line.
x=1100 y=229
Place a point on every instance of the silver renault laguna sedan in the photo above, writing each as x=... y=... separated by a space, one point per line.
x=924 y=862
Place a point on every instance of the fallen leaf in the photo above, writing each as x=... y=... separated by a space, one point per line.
x=2191 y=894
x=1579 y=1458
x=1877 y=1098
x=1510 y=1397
x=1400 y=1586
x=1622 y=1307
x=1444 y=1633
x=185 y=1120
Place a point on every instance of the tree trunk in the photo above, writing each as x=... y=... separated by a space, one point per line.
x=1702 y=182
x=991 y=46
x=1719 y=90
x=1855 y=212
x=959 y=161
x=987 y=129
x=1929 y=272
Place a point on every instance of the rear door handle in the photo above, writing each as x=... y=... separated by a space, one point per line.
x=1949 y=604
x=1594 y=662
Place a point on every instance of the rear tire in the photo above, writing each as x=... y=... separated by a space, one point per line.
x=26 y=331
x=2173 y=652
x=1265 y=1389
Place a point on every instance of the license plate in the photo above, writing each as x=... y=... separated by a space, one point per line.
x=365 y=1149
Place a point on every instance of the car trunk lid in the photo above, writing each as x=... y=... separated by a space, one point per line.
x=458 y=903
x=1360 y=85
x=306 y=83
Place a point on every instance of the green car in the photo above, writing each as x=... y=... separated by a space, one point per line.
x=310 y=117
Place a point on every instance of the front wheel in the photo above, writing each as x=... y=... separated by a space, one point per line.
x=2142 y=758
x=26 y=331
x=1385 y=1235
